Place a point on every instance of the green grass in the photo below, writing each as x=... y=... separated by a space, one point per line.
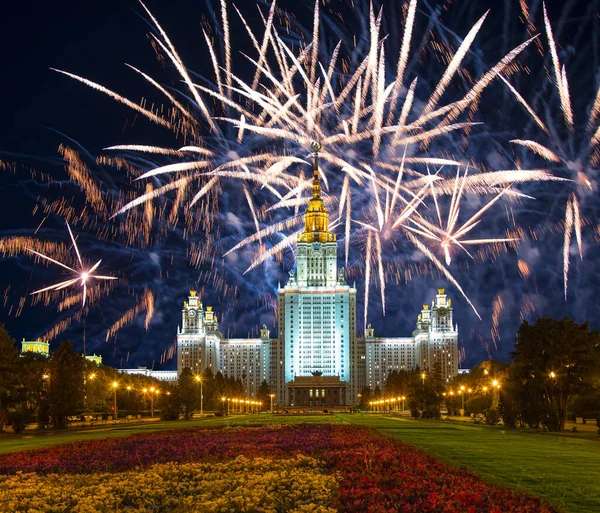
x=564 y=470
x=37 y=440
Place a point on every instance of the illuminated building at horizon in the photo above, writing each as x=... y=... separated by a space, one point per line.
x=316 y=358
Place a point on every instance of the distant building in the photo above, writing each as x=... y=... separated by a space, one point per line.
x=161 y=375
x=94 y=358
x=316 y=359
x=36 y=346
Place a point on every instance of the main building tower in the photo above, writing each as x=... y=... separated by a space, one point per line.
x=311 y=358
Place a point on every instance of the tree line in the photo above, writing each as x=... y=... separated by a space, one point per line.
x=554 y=374
x=218 y=391
x=52 y=390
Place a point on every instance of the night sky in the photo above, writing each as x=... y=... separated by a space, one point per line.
x=42 y=109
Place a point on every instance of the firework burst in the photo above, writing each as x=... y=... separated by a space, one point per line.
x=572 y=150
x=403 y=163
x=83 y=276
x=362 y=114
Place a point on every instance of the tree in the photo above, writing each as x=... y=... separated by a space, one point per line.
x=481 y=390
x=186 y=392
x=397 y=383
x=30 y=392
x=377 y=394
x=169 y=404
x=553 y=361
x=263 y=395
x=366 y=396
x=425 y=394
x=9 y=360
x=66 y=389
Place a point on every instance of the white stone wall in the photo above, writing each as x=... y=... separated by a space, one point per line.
x=386 y=354
x=248 y=360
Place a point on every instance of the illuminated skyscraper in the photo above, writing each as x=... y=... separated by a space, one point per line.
x=316 y=315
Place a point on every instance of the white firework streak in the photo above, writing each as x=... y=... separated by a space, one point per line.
x=265 y=232
x=573 y=220
x=287 y=242
x=454 y=65
x=567 y=244
x=149 y=114
x=559 y=76
x=538 y=148
x=367 y=277
x=522 y=101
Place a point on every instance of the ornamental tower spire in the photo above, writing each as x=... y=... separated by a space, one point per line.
x=316 y=217
x=316 y=147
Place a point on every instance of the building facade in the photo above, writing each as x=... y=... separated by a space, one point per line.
x=434 y=343
x=317 y=359
x=36 y=346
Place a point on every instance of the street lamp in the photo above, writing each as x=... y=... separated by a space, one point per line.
x=462 y=395
x=423 y=376
x=552 y=374
x=271 y=396
x=496 y=394
x=199 y=380
x=115 y=386
x=152 y=402
x=223 y=403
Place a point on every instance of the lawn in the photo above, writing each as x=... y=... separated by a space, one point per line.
x=563 y=469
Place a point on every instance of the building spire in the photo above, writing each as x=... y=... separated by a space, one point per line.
x=316 y=147
x=316 y=217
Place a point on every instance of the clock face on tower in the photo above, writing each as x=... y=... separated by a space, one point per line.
x=192 y=313
x=442 y=312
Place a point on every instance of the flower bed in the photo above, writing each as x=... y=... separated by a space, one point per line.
x=374 y=472
x=299 y=484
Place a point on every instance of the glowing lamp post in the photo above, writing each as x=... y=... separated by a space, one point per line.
x=496 y=396
x=152 y=401
x=199 y=380
x=462 y=395
x=271 y=396
x=115 y=386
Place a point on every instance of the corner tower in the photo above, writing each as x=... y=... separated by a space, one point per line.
x=198 y=338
